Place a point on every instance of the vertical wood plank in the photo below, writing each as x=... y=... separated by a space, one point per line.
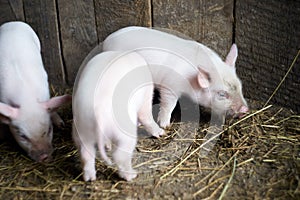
x=42 y=16
x=112 y=15
x=268 y=34
x=78 y=33
x=17 y=8
x=207 y=21
x=6 y=12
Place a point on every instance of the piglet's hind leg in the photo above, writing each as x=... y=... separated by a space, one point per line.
x=122 y=156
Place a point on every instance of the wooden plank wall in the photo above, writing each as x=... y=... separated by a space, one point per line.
x=69 y=29
x=267 y=34
x=207 y=21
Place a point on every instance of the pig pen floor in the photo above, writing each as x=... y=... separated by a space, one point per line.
x=254 y=158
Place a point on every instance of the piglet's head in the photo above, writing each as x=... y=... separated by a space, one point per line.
x=31 y=125
x=223 y=87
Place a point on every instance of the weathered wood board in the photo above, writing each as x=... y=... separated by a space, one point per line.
x=112 y=15
x=207 y=21
x=78 y=33
x=42 y=16
x=11 y=10
x=268 y=34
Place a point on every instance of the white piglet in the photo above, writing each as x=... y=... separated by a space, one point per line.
x=111 y=94
x=25 y=104
x=184 y=67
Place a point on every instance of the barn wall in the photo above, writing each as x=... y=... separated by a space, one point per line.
x=268 y=35
x=266 y=32
x=207 y=21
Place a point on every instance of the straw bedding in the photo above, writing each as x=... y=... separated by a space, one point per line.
x=256 y=157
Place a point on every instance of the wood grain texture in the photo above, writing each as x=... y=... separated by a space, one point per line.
x=17 y=8
x=268 y=34
x=78 y=33
x=112 y=15
x=42 y=16
x=6 y=12
x=209 y=22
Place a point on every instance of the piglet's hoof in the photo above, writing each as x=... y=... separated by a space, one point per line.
x=128 y=175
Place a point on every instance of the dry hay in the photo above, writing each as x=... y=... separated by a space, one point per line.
x=254 y=158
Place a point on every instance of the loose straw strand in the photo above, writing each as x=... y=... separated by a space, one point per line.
x=286 y=74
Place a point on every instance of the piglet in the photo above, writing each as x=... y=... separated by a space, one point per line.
x=24 y=93
x=184 y=67
x=112 y=93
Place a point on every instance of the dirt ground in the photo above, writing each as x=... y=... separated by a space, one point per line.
x=257 y=157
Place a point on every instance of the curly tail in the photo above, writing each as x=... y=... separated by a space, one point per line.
x=102 y=143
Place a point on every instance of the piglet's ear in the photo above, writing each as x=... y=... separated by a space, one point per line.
x=203 y=78
x=55 y=102
x=8 y=113
x=232 y=56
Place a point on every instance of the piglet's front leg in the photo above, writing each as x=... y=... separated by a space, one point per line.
x=146 y=118
x=88 y=161
x=167 y=104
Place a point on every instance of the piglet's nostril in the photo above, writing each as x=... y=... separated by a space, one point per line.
x=43 y=157
x=244 y=109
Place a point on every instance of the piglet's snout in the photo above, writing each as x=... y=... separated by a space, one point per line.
x=41 y=154
x=243 y=111
x=44 y=157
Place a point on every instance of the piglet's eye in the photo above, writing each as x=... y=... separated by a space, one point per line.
x=24 y=137
x=223 y=94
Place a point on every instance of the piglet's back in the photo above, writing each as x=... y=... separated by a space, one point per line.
x=21 y=66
